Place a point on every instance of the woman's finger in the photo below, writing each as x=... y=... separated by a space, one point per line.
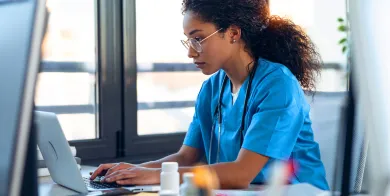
x=119 y=175
x=114 y=174
x=117 y=167
x=131 y=170
x=100 y=169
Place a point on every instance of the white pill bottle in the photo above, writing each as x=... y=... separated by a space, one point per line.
x=170 y=177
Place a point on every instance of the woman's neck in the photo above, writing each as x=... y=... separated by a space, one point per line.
x=237 y=70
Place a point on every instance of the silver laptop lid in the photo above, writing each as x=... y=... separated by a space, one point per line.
x=56 y=152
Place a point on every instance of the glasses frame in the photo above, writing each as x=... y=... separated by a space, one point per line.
x=191 y=41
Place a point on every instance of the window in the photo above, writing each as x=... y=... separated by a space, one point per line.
x=78 y=74
x=319 y=19
x=165 y=94
x=161 y=81
x=69 y=48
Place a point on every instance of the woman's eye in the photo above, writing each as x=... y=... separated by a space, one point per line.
x=198 y=39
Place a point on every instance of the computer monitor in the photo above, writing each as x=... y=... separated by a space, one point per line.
x=22 y=25
x=370 y=33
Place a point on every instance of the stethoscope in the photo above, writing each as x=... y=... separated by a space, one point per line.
x=218 y=110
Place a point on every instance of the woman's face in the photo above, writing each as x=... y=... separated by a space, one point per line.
x=216 y=49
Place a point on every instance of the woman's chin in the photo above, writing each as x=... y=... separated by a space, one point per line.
x=207 y=71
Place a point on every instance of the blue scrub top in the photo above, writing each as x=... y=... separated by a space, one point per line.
x=277 y=123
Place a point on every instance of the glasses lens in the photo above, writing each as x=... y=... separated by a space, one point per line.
x=196 y=45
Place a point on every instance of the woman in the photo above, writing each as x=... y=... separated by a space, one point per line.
x=252 y=111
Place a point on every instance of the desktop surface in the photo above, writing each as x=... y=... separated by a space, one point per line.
x=48 y=188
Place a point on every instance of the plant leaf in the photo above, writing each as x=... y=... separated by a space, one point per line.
x=340 y=19
x=342 y=28
x=343 y=41
x=344 y=49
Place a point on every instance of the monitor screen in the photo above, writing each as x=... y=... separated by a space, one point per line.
x=370 y=43
x=21 y=24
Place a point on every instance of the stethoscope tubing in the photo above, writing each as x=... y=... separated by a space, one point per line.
x=218 y=110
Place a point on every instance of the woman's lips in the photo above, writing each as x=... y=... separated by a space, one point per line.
x=200 y=65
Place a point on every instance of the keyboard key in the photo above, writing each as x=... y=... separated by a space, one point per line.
x=96 y=184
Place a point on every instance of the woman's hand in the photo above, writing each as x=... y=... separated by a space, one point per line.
x=109 y=168
x=135 y=176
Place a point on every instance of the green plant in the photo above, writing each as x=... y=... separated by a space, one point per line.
x=343 y=28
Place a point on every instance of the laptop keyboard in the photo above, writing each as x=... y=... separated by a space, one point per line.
x=96 y=184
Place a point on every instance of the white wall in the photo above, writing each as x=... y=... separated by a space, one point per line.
x=319 y=19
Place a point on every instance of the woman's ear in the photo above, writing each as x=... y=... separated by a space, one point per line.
x=234 y=34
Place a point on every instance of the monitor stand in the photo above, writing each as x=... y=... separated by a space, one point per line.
x=30 y=177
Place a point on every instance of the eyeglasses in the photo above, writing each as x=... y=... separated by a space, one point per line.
x=195 y=44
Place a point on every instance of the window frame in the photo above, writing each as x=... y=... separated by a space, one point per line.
x=108 y=75
x=146 y=146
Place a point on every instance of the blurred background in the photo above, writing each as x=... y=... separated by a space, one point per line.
x=166 y=82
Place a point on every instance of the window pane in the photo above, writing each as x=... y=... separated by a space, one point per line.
x=169 y=86
x=65 y=89
x=164 y=121
x=67 y=84
x=74 y=125
x=321 y=24
x=166 y=50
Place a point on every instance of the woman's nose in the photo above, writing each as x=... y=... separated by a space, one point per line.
x=192 y=53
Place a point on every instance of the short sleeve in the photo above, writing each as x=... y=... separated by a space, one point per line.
x=193 y=136
x=274 y=128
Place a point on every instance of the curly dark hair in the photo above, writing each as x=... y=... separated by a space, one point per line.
x=270 y=37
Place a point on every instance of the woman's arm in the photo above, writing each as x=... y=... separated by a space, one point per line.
x=187 y=156
x=237 y=174
x=232 y=175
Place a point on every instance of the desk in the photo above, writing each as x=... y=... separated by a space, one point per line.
x=48 y=188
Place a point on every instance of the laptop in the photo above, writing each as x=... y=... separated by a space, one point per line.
x=61 y=164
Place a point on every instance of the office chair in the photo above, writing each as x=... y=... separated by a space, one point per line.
x=326 y=116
